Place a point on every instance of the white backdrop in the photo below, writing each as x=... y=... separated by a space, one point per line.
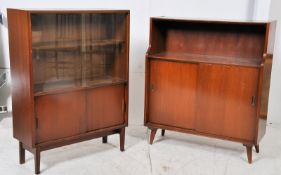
x=275 y=91
x=141 y=10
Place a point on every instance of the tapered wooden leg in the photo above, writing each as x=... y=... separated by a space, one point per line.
x=104 y=139
x=249 y=153
x=257 y=148
x=152 y=135
x=163 y=132
x=122 y=139
x=37 y=160
x=21 y=153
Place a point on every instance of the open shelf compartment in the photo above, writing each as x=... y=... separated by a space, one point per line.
x=234 y=43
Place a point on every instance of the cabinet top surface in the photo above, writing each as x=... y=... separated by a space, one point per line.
x=201 y=20
x=57 y=10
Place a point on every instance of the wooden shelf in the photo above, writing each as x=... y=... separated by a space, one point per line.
x=61 y=86
x=197 y=58
x=74 y=45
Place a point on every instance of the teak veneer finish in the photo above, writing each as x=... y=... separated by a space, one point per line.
x=209 y=78
x=70 y=77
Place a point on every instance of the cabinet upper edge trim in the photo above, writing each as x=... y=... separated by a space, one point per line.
x=219 y=21
x=66 y=11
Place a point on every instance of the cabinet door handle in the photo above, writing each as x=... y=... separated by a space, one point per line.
x=152 y=87
x=123 y=106
x=36 y=123
x=253 y=103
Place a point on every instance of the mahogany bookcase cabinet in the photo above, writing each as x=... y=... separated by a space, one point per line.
x=70 y=77
x=209 y=78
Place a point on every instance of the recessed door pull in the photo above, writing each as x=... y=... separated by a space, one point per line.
x=253 y=101
x=152 y=88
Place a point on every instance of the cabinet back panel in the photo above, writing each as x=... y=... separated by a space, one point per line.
x=60 y=115
x=105 y=107
x=215 y=39
x=172 y=93
x=225 y=101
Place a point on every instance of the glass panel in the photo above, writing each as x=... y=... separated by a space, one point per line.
x=78 y=50
x=104 y=46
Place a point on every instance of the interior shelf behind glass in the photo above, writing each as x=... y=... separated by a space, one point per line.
x=75 y=45
x=71 y=85
x=76 y=51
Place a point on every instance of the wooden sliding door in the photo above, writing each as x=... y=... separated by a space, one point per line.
x=172 y=93
x=226 y=100
x=105 y=107
x=60 y=115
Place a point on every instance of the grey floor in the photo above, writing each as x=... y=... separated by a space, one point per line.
x=175 y=154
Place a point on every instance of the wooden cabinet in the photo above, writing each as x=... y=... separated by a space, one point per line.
x=209 y=78
x=70 y=77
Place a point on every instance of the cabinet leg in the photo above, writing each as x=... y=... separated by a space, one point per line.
x=21 y=153
x=257 y=148
x=249 y=153
x=152 y=135
x=104 y=139
x=37 y=160
x=122 y=139
x=163 y=132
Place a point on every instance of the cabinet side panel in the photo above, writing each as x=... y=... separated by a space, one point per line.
x=147 y=85
x=22 y=91
x=157 y=37
x=264 y=81
x=264 y=84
